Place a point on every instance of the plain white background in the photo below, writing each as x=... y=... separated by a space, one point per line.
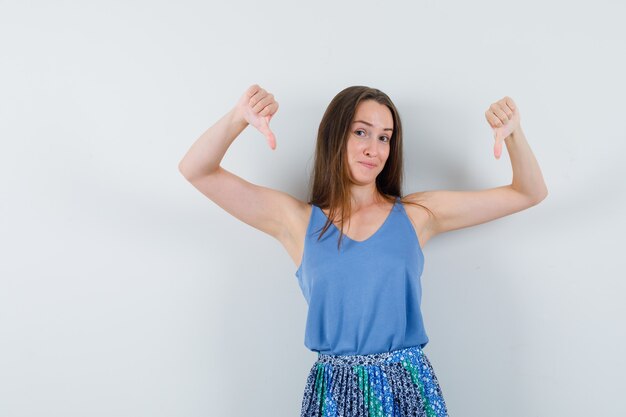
x=126 y=292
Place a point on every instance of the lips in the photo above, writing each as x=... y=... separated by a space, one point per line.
x=368 y=165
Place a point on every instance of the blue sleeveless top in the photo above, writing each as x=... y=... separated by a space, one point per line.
x=366 y=297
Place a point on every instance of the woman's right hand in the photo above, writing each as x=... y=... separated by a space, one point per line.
x=258 y=107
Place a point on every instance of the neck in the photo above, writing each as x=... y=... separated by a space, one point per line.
x=364 y=195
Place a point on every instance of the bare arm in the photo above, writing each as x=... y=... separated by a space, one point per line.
x=457 y=209
x=205 y=155
x=266 y=209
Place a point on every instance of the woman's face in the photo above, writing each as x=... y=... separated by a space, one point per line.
x=368 y=141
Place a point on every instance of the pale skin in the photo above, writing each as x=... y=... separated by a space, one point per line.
x=286 y=218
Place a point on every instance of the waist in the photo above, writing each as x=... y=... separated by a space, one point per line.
x=399 y=355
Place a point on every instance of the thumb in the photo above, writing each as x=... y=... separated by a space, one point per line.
x=265 y=129
x=497 y=147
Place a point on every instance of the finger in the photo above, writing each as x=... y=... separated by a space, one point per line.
x=510 y=103
x=497 y=150
x=265 y=129
x=252 y=90
x=507 y=109
x=271 y=140
x=499 y=112
x=263 y=102
x=256 y=99
x=497 y=147
x=270 y=109
x=494 y=122
x=508 y=106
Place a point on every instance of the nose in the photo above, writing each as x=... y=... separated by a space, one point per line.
x=372 y=148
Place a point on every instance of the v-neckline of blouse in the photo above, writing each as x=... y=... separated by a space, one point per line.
x=393 y=206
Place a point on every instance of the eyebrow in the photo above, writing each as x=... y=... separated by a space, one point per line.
x=369 y=124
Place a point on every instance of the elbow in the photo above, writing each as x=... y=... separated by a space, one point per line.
x=539 y=197
x=181 y=169
x=534 y=196
x=191 y=174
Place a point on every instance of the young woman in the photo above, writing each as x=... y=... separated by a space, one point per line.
x=357 y=242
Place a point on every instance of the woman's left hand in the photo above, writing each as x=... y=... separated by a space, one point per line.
x=503 y=117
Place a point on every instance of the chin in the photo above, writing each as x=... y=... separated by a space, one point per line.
x=361 y=180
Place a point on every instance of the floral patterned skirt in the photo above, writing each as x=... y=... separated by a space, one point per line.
x=400 y=383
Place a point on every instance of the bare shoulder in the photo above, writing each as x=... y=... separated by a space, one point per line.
x=414 y=205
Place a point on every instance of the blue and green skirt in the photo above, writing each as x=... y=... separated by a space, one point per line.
x=400 y=383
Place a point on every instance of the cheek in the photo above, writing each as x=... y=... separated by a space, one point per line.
x=353 y=148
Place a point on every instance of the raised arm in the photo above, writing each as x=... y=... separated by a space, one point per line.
x=457 y=209
x=268 y=210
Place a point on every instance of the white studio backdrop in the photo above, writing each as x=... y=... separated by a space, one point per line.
x=126 y=292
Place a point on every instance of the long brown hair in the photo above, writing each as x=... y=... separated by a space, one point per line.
x=330 y=178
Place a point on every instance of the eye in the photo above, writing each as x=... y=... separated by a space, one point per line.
x=387 y=138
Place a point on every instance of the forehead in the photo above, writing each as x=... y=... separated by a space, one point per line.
x=375 y=113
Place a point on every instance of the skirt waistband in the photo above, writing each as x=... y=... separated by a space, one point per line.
x=399 y=355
